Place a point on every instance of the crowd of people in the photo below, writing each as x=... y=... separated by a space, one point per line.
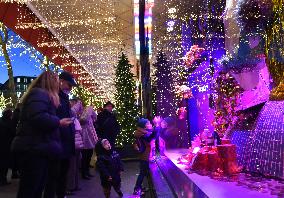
x=49 y=140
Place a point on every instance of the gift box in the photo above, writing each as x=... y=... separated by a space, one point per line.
x=229 y=167
x=200 y=161
x=227 y=151
x=228 y=158
x=225 y=141
x=213 y=161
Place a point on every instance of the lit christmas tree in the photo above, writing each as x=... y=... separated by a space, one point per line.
x=164 y=87
x=227 y=91
x=125 y=100
x=87 y=97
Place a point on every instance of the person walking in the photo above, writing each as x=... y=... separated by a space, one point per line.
x=38 y=139
x=58 y=169
x=107 y=124
x=6 y=137
x=90 y=139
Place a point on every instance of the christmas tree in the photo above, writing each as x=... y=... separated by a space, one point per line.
x=126 y=108
x=227 y=91
x=87 y=97
x=164 y=87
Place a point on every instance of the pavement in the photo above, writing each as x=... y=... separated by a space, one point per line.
x=91 y=188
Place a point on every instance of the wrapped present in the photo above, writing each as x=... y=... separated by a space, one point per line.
x=228 y=158
x=230 y=167
x=227 y=151
x=205 y=149
x=213 y=161
x=225 y=141
x=200 y=161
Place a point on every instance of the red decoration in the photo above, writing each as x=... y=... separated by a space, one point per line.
x=193 y=54
x=225 y=141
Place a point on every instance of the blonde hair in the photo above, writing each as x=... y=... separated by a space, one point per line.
x=48 y=81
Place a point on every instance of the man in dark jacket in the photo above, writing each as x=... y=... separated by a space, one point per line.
x=6 y=137
x=57 y=180
x=107 y=124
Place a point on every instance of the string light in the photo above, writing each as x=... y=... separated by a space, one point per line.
x=164 y=90
x=4 y=102
x=94 y=32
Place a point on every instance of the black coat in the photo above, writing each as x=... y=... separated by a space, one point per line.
x=108 y=164
x=107 y=126
x=38 y=127
x=6 y=137
x=67 y=134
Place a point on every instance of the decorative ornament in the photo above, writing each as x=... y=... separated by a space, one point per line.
x=183 y=91
x=181 y=112
x=227 y=90
x=192 y=55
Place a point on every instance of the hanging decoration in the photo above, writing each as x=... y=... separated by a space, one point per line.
x=193 y=55
x=183 y=91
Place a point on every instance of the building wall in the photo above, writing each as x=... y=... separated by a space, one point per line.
x=21 y=85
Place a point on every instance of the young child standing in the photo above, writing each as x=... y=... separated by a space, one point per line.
x=109 y=166
x=144 y=134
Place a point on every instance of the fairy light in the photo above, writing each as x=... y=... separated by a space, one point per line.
x=4 y=102
x=93 y=32
x=164 y=90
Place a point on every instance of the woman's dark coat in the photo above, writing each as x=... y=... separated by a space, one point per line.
x=38 y=127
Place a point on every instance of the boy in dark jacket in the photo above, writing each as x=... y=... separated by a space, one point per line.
x=109 y=166
x=144 y=134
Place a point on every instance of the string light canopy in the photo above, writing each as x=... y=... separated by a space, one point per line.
x=93 y=32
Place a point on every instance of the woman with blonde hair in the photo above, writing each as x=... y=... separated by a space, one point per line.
x=38 y=139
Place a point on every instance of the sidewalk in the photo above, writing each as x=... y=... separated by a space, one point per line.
x=90 y=188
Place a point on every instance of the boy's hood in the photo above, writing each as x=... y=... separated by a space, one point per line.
x=100 y=150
